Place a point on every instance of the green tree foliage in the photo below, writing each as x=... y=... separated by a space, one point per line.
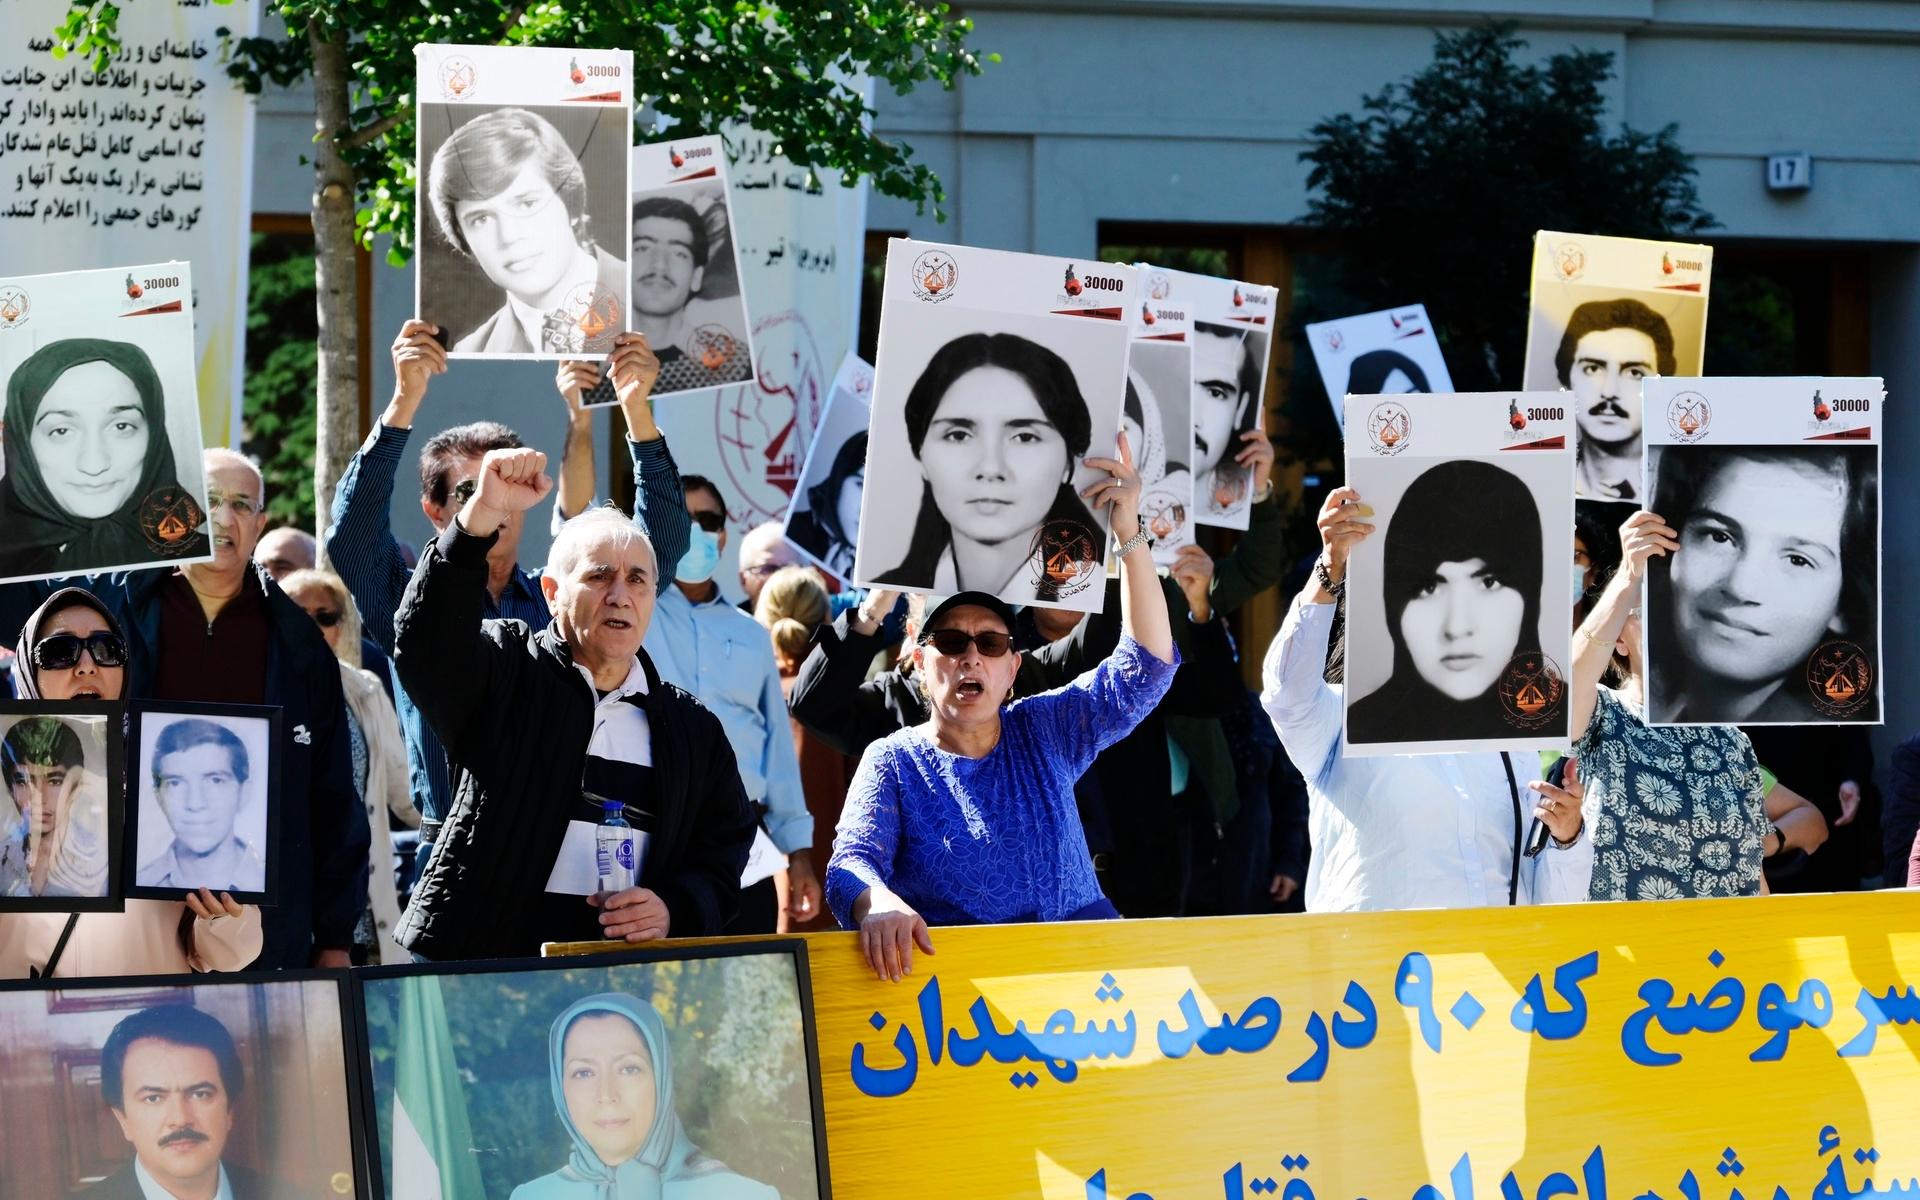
x=281 y=339
x=739 y=1062
x=1434 y=190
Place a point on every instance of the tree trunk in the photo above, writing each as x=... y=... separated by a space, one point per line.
x=337 y=290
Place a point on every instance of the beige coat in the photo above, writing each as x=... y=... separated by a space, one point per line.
x=387 y=791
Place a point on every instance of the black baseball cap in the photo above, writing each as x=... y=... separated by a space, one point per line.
x=987 y=600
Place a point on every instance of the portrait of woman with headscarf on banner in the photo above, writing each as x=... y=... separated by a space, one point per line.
x=1461 y=585
x=612 y=1076
x=828 y=527
x=91 y=479
x=53 y=836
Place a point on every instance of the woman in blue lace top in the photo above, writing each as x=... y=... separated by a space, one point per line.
x=970 y=818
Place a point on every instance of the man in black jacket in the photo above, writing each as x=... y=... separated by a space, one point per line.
x=536 y=721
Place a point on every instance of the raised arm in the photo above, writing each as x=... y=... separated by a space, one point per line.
x=832 y=696
x=659 y=503
x=1143 y=606
x=1643 y=536
x=1304 y=708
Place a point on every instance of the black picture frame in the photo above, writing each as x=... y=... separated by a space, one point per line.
x=142 y=713
x=114 y=714
x=104 y=995
x=792 y=948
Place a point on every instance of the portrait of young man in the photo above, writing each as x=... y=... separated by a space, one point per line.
x=1226 y=394
x=1607 y=348
x=701 y=339
x=200 y=779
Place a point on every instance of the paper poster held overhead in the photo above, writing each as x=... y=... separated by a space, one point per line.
x=521 y=225
x=998 y=374
x=1769 y=612
x=1158 y=416
x=824 y=521
x=1459 y=626
x=1387 y=353
x=1607 y=313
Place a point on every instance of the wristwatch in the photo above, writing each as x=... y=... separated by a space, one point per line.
x=1325 y=575
x=1140 y=538
x=1782 y=847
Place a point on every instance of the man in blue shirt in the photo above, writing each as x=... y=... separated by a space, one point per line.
x=363 y=550
x=723 y=656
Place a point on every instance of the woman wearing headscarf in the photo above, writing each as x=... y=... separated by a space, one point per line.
x=71 y=648
x=91 y=481
x=830 y=526
x=611 y=1071
x=1461 y=585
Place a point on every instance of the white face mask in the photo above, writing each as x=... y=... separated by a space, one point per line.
x=702 y=558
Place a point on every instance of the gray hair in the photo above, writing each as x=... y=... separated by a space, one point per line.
x=590 y=526
x=214 y=456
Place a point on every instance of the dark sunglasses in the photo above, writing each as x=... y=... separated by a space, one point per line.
x=61 y=652
x=712 y=522
x=326 y=618
x=464 y=490
x=954 y=642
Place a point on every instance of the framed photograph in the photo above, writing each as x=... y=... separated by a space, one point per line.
x=60 y=845
x=180 y=1085
x=520 y=229
x=101 y=469
x=1769 y=612
x=1606 y=314
x=205 y=812
x=1392 y=352
x=1232 y=339
x=1158 y=416
x=823 y=522
x=687 y=294
x=1460 y=605
x=689 y=1072
x=998 y=374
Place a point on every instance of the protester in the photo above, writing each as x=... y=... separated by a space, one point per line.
x=379 y=755
x=721 y=655
x=1426 y=831
x=1677 y=811
x=362 y=548
x=1832 y=766
x=763 y=550
x=965 y=819
x=610 y=1068
x=285 y=550
x=72 y=648
x=538 y=721
x=791 y=606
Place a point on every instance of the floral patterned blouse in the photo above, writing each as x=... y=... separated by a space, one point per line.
x=1675 y=812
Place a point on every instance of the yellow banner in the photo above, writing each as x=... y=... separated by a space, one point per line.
x=1685 y=1050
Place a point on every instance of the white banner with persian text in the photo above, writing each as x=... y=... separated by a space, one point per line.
x=150 y=160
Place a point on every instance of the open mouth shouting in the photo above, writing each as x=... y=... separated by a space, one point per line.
x=970 y=687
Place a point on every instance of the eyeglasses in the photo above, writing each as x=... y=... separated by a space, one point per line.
x=712 y=522
x=61 y=652
x=464 y=490
x=954 y=642
x=326 y=618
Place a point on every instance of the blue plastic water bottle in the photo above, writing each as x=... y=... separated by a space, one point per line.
x=615 y=849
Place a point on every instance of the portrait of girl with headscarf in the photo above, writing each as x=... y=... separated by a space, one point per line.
x=91 y=479
x=1460 y=583
x=611 y=1070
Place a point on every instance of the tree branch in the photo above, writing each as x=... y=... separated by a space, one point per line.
x=371 y=133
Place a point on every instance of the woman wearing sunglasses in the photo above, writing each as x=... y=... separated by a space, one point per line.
x=379 y=753
x=71 y=648
x=970 y=818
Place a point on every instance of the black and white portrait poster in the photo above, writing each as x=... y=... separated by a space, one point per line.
x=1769 y=612
x=1232 y=339
x=101 y=464
x=520 y=226
x=60 y=825
x=998 y=375
x=823 y=522
x=1158 y=416
x=206 y=787
x=1608 y=312
x=687 y=296
x=685 y=1073
x=1459 y=628
x=227 y=1085
x=1387 y=353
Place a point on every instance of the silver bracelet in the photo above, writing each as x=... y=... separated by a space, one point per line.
x=1140 y=538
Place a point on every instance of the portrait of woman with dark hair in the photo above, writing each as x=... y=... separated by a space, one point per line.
x=91 y=481
x=1777 y=561
x=998 y=424
x=509 y=193
x=829 y=527
x=1461 y=585
x=1385 y=373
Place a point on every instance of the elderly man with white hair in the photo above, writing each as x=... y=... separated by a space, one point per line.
x=544 y=726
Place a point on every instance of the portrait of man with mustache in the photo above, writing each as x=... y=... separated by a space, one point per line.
x=699 y=338
x=172 y=1078
x=1608 y=347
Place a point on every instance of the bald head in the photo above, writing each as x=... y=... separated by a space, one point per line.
x=285 y=550
x=762 y=552
x=221 y=459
